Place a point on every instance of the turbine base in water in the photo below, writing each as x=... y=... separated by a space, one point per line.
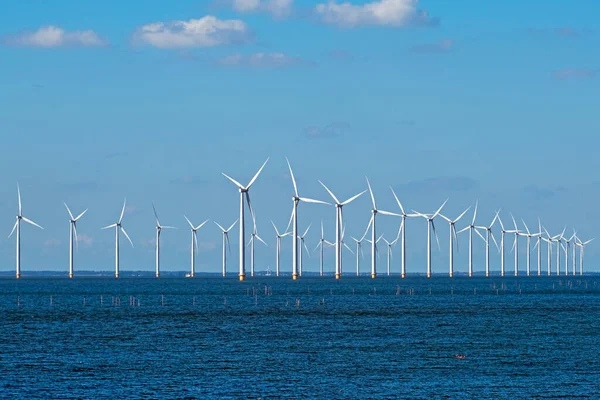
x=18 y=276
x=70 y=276
x=338 y=276
x=294 y=277
x=242 y=277
x=373 y=276
x=158 y=275
x=403 y=276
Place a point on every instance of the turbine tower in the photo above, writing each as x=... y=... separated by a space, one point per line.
x=402 y=231
x=529 y=235
x=453 y=236
x=471 y=228
x=73 y=236
x=338 y=228
x=244 y=192
x=581 y=249
x=302 y=244
x=119 y=228
x=297 y=199
x=566 y=247
x=488 y=234
x=358 y=249
x=558 y=240
x=251 y=244
x=549 y=241
x=389 y=253
x=278 y=237
x=194 y=246
x=431 y=225
x=321 y=243
x=159 y=228
x=515 y=247
x=225 y=243
x=371 y=225
x=17 y=226
x=502 y=257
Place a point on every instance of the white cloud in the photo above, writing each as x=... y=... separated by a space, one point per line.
x=54 y=36
x=85 y=239
x=380 y=12
x=278 y=8
x=207 y=31
x=262 y=60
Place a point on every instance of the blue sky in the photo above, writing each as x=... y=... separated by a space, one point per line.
x=493 y=101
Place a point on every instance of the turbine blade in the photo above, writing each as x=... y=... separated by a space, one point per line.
x=368 y=227
x=306 y=200
x=439 y=209
x=420 y=215
x=195 y=240
x=13 y=229
x=236 y=183
x=31 y=222
x=494 y=239
x=371 y=192
x=398 y=201
x=109 y=226
x=155 y=214
x=228 y=242
x=464 y=229
x=388 y=213
x=122 y=211
x=495 y=218
x=526 y=227
x=293 y=179
x=400 y=229
x=307 y=229
x=461 y=215
x=76 y=237
x=287 y=228
x=349 y=249
x=455 y=238
x=475 y=212
x=330 y=193
x=514 y=222
x=318 y=244
x=274 y=227
x=257 y=174
x=480 y=235
x=351 y=199
x=259 y=238
x=192 y=225
x=514 y=243
x=232 y=225
x=19 y=196
x=201 y=225
x=435 y=234
x=307 y=251
x=322 y=232
x=220 y=227
x=69 y=211
x=80 y=215
x=251 y=210
x=127 y=236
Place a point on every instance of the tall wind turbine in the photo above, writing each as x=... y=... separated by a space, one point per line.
x=402 y=231
x=17 y=226
x=375 y=211
x=515 y=247
x=278 y=237
x=321 y=243
x=297 y=199
x=194 y=246
x=389 y=253
x=244 y=192
x=73 y=236
x=558 y=239
x=549 y=241
x=567 y=246
x=359 y=253
x=225 y=243
x=471 y=228
x=159 y=228
x=302 y=244
x=488 y=234
x=338 y=228
x=581 y=249
x=539 y=247
x=502 y=258
x=529 y=235
x=251 y=244
x=119 y=228
x=431 y=225
x=453 y=236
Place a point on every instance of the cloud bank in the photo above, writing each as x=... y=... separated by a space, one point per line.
x=277 y=8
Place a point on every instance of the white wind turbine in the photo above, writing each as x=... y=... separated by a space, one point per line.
x=251 y=244
x=225 y=244
x=515 y=247
x=389 y=253
x=581 y=246
x=73 y=236
x=558 y=239
x=430 y=225
x=194 y=246
x=17 y=226
x=488 y=234
x=471 y=228
x=402 y=231
x=502 y=258
x=371 y=225
x=453 y=236
x=303 y=245
x=297 y=199
x=566 y=247
x=549 y=241
x=244 y=193
x=338 y=228
x=119 y=228
x=159 y=228
x=321 y=243
x=538 y=245
x=278 y=237
x=529 y=235
x=358 y=250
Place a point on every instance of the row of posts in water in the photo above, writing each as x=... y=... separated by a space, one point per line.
x=115 y=301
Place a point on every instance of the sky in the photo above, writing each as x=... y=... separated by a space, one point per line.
x=153 y=100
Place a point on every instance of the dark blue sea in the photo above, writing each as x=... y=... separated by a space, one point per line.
x=357 y=338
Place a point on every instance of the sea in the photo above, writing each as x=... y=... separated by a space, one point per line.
x=314 y=338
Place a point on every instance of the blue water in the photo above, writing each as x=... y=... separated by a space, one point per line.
x=313 y=338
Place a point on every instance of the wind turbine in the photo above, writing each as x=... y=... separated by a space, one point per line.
x=322 y=241
x=471 y=228
x=359 y=253
x=515 y=247
x=371 y=225
x=453 y=236
x=194 y=247
x=558 y=240
x=549 y=241
x=338 y=227
x=159 y=228
x=251 y=244
x=302 y=244
x=278 y=237
x=529 y=235
x=581 y=249
x=503 y=232
x=17 y=226
x=539 y=247
x=488 y=234
x=389 y=253
x=73 y=236
x=244 y=192
x=430 y=225
x=297 y=199
x=402 y=231
x=119 y=228
x=567 y=246
x=225 y=243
